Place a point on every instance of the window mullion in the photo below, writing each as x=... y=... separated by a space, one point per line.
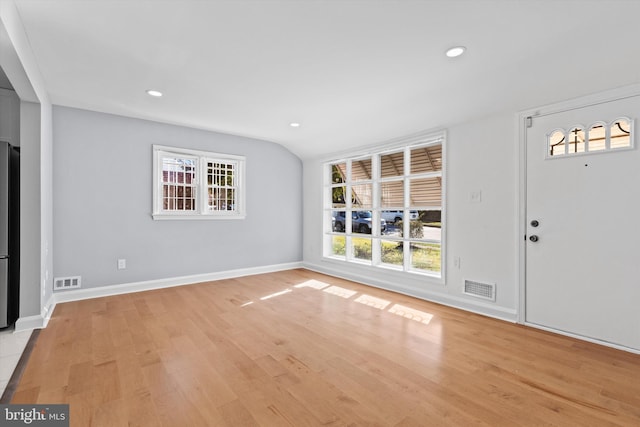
x=347 y=214
x=436 y=174
x=406 y=216
x=201 y=187
x=376 y=252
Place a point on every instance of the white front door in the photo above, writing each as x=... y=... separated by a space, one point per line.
x=583 y=272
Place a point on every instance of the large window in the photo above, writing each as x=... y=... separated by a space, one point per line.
x=192 y=184
x=385 y=208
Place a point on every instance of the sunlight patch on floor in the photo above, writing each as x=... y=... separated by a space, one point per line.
x=275 y=294
x=315 y=284
x=364 y=299
x=411 y=313
x=341 y=292
x=374 y=302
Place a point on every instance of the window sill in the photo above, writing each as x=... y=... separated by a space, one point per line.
x=385 y=270
x=162 y=217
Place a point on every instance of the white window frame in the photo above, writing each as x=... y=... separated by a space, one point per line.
x=405 y=145
x=202 y=210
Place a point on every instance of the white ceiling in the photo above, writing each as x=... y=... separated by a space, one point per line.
x=353 y=73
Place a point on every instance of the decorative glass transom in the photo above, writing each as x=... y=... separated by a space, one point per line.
x=598 y=137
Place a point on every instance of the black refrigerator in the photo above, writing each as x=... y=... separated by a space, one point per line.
x=9 y=234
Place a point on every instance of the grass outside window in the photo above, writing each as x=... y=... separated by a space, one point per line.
x=424 y=256
x=361 y=248
x=338 y=245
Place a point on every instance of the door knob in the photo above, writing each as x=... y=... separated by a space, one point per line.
x=535 y=223
x=533 y=238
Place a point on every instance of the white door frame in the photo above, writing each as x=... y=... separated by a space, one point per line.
x=521 y=129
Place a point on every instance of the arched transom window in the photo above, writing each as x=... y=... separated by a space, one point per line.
x=596 y=138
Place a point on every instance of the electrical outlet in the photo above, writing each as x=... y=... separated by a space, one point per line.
x=456 y=262
x=122 y=264
x=475 y=196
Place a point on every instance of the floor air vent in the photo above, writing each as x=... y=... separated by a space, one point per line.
x=66 y=283
x=480 y=290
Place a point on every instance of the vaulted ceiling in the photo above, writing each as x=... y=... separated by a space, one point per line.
x=350 y=72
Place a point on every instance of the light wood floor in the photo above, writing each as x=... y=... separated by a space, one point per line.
x=297 y=348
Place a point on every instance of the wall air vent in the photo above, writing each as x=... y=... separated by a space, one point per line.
x=481 y=290
x=60 y=283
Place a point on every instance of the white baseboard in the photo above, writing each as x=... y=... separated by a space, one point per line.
x=30 y=322
x=40 y=321
x=584 y=338
x=37 y=321
x=47 y=310
x=482 y=308
x=125 y=288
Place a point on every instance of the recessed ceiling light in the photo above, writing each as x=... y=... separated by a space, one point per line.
x=155 y=93
x=294 y=124
x=455 y=51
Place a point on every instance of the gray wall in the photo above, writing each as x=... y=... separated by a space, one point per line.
x=102 y=188
x=9 y=117
x=30 y=211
